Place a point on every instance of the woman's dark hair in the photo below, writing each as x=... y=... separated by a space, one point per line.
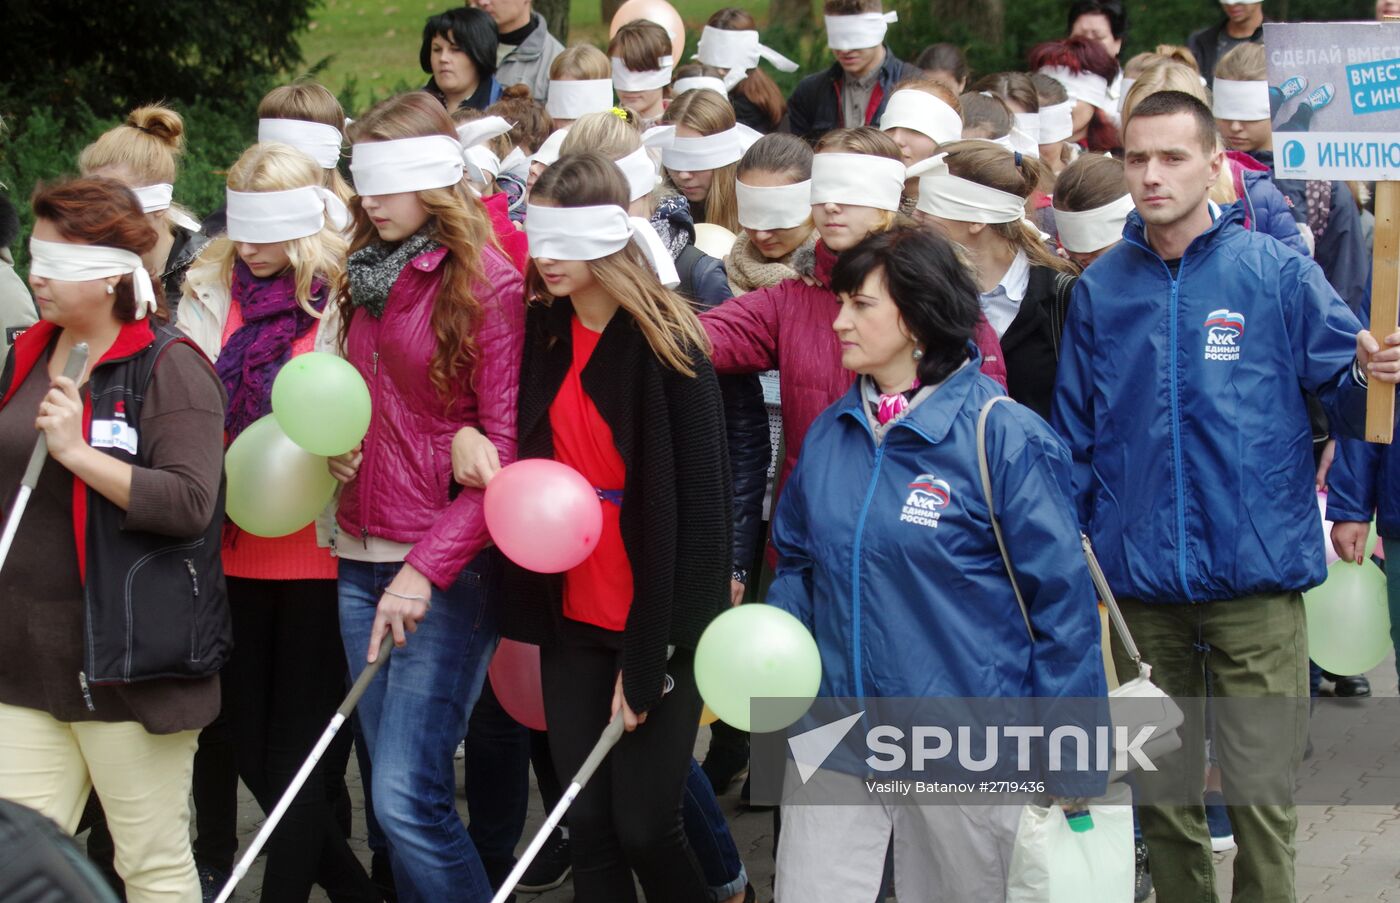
x=934 y=292
x=944 y=58
x=532 y=122
x=780 y=153
x=1014 y=87
x=988 y=113
x=1090 y=182
x=1111 y=10
x=756 y=87
x=98 y=211
x=471 y=30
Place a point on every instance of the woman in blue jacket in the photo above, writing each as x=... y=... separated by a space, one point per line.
x=887 y=556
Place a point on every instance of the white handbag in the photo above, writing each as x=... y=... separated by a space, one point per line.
x=1149 y=705
x=1051 y=863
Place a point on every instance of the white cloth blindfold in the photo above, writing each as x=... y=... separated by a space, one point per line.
x=591 y=233
x=625 y=79
x=572 y=99
x=548 y=154
x=317 y=140
x=775 y=206
x=265 y=217
x=951 y=197
x=857 y=180
x=66 y=262
x=700 y=83
x=157 y=197
x=1086 y=86
x=1087 y=231
x=702 y=153
x=738 y=52
x=1124 y=87
x=516 y=164
x=1057 y=122
x=859 y=31
x=1241 y=101
x=924 y=113
x=405 y=164
x=641 y=171
x=481 y=162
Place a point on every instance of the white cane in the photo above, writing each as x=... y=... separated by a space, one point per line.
x=275 y=816
x=73 y=369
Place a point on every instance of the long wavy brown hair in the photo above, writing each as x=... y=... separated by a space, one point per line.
x=459 y=222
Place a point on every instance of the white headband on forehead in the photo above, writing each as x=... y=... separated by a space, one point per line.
x=516 y=164
x=706 y=152
x=317 y=140
x=700 y=83
x=591 y=233
x=1025 y=134
x=951 y=197
x=774 y=206
x=922 y=112
x=157 y=197
x=738 y=52
x=572 y=99
x=641 y=171
x=264 y=217
x=625 y=79
x=1241 y=101
x=859 y=31
x=67 y=262
x=1057 y=122
x=548 y=154
x=1087 y=231
x=405 y=164
x=857 y=180
x=481 y=162
x=1085 y=86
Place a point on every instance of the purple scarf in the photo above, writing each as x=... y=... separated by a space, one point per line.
x=250 y=359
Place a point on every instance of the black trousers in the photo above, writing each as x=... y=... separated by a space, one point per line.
x=628 y=818
x=286 y=678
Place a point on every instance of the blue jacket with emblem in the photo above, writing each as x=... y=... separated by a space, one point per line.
x=886 y=553
x=1182 y=401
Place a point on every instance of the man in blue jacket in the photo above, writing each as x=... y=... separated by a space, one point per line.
x=1188 y=349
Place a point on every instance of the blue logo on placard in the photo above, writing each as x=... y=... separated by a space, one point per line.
x=1293 y=154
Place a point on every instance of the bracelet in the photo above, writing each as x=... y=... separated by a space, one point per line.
x=402 y=596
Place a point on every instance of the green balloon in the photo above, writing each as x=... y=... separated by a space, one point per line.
x=1370 y=545
x=322 y=403
x=757 y=652
x=1348 y=619
x=275 y=487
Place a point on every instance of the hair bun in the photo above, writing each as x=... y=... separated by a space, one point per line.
x=161 y=123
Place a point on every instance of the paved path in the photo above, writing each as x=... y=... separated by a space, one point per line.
x=1345 y=853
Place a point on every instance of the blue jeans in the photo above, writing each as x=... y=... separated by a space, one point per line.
x=1392 y=588
x=414 y=714
x=709 y=837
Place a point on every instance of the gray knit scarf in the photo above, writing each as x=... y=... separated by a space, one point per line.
x=375 y=268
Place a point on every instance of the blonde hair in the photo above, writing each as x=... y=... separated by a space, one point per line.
x=1172 y=76
x=873 y=143
x=709 y=114
x=148 y=144
x=665 y=318
x=459 y=222
x=608 y=134
x=1244 y=63
x=279 y=167
x=581 y=62
x=309 y=101
x=993 y=167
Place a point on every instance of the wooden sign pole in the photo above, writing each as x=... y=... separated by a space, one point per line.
x=1385 y=302
x=1385 y=299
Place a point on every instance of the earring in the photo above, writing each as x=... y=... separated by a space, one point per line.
x=918 y=354
x=111 y=291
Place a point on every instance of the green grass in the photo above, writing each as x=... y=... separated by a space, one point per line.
x=374 y=45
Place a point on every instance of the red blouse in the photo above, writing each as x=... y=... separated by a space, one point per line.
x=598 y=591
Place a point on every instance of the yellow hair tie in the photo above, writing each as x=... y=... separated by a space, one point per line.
x=619 y=112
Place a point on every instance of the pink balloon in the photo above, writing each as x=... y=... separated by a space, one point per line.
x=515 y=677
x=543 y=515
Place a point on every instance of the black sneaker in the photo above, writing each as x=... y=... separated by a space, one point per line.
x=551 y=867
x=1355 y=686
x=1142 y=878
x=381 y=875
x=211 y=881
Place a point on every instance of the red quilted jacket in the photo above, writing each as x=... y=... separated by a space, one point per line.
x=404 y=491
x=788 y=327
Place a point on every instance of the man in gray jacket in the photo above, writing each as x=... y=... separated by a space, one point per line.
x=526 y=47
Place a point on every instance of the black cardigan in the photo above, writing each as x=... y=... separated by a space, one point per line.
x=676 y=518
x=1030 y=347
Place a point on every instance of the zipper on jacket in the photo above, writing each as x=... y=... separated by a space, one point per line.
x=374 y=363
x=87 y=694
x=857 y=667
x=194 y=609
x=1177 y=469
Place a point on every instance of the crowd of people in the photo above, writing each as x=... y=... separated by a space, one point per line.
x=511 y=259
